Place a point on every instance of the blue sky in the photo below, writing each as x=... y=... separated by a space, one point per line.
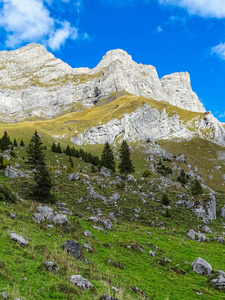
x=172 y=35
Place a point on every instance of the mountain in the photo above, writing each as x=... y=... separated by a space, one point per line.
x=35 y=83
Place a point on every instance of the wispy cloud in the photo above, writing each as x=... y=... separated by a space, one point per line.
x=203 y=8
x=219 y=50
x=26 y=21
x=222 y=115
x=158 y=29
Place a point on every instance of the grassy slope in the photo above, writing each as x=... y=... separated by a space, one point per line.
x=140 y=269
x=81 y=120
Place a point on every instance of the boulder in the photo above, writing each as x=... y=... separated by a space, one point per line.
x=131 y=178
x=19 y=239
x=81 y=282
x=206 y=229
x=45 y=210
x=60 y=220
x=223 y=212
x=114 y=197
x=218 y=280
x=73 y=248
x=4 y=295
x=196 y=236
x=201 y=266
x=88 y=248
x=38 y=218
x=13 y=173
x=87 y=233
x=74 y=177
x=107 y=224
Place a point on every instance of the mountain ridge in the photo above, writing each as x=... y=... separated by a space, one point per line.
x=36 y=84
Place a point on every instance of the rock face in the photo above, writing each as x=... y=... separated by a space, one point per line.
x=147 y=122
x=35 y=83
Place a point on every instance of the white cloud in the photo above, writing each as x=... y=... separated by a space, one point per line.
x=203 y=8
x=222 y=115
x=219 y=50
x=30 y=21
x=157 y=30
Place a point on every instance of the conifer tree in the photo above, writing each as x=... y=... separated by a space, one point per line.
x=22 y=143
x=58 y=148
x=53 y=148
x=68 y=150
x=107 y=158
x=35 y=151
x=15 y=143
x=125 y=165
x=5 y=142
x=43 y=180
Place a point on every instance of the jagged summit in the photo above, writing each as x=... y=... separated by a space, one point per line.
x=35 y=83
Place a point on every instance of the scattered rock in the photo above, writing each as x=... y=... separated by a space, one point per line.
x=81 y=282
x=50 y=266
x=201 y=266
x=87 y=233
x=19 y=239
x=74 y=177
x=106 y=297
x=88 y=248
x=116 y=264
x=12 y=215
x=73 y=248
x=131 y=178
x=38 y=218
x=13 y=173
x=60 y=220
x=206 y=229
x=218 y=280
x=105 y=172
x=196 y=236
x=4 y=295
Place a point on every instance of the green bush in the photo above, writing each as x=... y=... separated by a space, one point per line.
x=196 y=188
x=165 y=199
x=6 y=194
x=146 y=173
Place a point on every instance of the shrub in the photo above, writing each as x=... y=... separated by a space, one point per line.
x=196 y=188
x=165 y=199
x=6 y=194
x=146 y=173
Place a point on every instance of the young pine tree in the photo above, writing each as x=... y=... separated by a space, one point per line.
x=15 y=143
x=125 y=165
x=42 y=190
x=107 y=158
x=22 y=143
x=35 y=151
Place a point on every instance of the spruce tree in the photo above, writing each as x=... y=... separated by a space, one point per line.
x=71 y=162
x=125 y=165
x=107 y=158
x=22 y=143
x=58 y=148
x=68 y=150
x=43 y=180
x=15 y=143
x=35 y=151
x=53 y=148
x=5 y=142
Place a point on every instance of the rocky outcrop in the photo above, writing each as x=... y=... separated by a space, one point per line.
x=147 y=122
x=33 y=83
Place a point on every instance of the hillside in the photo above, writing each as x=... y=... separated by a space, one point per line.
x=143 y=250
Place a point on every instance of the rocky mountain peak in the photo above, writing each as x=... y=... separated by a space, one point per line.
x=112 y=56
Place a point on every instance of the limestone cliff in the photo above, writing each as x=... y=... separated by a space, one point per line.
x=34 y=83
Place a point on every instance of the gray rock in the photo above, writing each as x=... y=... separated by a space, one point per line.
x=153 y=254
x=88 y=248
x=107 y=297
x=19 y=239
x=87 y=233
x=74 y=177
x=220 y=239
x=4 y=295
x=60 y=220
x=38 y=218
x=64 y=210
x=114 y=197
x=81 y=282
x=107 y=224
x=45 y=210
x=13 y=173
x=73 y=248
x=94 y=219
x=98 y=228
x=201 y=266
x=206 y=229
x=131 y=178
x=105 y=172
x=12 y=215
x=219 y=281
x=50 y=266
x=200 y=237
